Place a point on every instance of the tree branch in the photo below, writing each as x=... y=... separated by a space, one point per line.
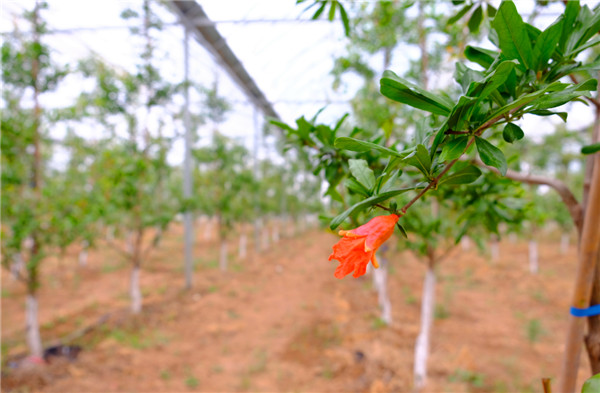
x=561 y=188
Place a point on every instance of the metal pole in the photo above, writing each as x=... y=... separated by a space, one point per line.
x=187 y=166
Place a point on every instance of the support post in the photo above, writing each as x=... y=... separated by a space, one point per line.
x=187 y=167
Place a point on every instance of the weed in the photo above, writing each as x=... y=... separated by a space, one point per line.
x=409 y=297
x=260 y=362
x=191 y=382
x=139 y=339
x=327 y=372
x=6 y=293
x=441 y=312
x=109 y=267
x=378 y=323
x=232 y=293
x=474 y=379
x=213 y=289
x=232 y=314
x=217 y=369
x=534 y=330
x=237 y=267
x=165 y=375
x=245 y=383
x=540 y=296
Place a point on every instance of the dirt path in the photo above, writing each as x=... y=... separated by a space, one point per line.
x=280 y=322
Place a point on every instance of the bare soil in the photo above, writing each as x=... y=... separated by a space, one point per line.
x=280 y=322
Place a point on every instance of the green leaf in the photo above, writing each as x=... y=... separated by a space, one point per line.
x=546 y=44
x=566 y=95
x=570 y=15
x=463 y=176
x=592 y=385
x=352 y=144
x=360 y=206
x=475 y=20
x=420 y=159
x=401 y=90
x=491 y=155
x=512 y=34
x=492 y=82
x=459 y=14
x=319 y=10
x=545 y=112
x=590 y=149
x=355 y=186
x=512 y=132
x=361 y=171
x=345 y=20
x=454 y=149
x=483 y=57
x=332 y=10
x=402 y=230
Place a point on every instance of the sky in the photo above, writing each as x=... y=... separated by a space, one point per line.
x=288 y=56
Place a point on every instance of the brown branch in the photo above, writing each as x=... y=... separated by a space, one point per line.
x=561 y=188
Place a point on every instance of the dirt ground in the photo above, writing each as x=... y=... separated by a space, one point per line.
x=280 y=322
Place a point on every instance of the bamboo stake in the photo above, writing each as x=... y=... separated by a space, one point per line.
x=588 y=251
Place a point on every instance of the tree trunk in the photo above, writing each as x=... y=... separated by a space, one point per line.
x=243 y=246
x=427 y=314
x=265 y=237
x=533 y=257
x=17 y=265
x=257 y=233
x=83 y=254
x=494 y=249
x=275 y=238
x=208 y=229
x=564 y=243
x=110 y=233
x=380 y=282
x=34 y=341
x=223 y=255
x=465 y=243
x=135 y=292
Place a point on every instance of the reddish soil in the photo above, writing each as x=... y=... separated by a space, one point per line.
x=280 y=322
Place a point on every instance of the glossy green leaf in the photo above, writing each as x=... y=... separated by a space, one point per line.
x=354 y=185
x=401 y=90
x=512 y=132
x=491 y=155
x=566 y=95
x=492 y=82
x=475 y=20
x=512 y=34
x=483 y=57
x=345 y=20
x=592 y=385
x=352 y=144
x=362 y=205
x=402 y=230
x=420 y=159
x=454 y=149
x=463 y=176
x=570 y=16
x=456 y=17
x=590 y=149
x=361 y=171
x=546 y=44
x=545 y=112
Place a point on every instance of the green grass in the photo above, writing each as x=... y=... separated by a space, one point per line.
x=6 y=293
x=111 y=267
x=473 y=379
x=534 y=330
x=408 y=296
x=165 y=375
x=441 y=312
x=191 y=382
x=378 y=323
x=139 y=339
x=259 y=363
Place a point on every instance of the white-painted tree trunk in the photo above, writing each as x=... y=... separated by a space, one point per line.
x=16 y=266
x=257 y=235
x=265 y=238
x=422 y=344
x=275 y=237
x=512 y=237
x=380 y=282
x=34 y=341
x=243 y=250
x=533 y=257
x=564 y=243
x=110 y=233
x=83 y=254
x=208 y=229
x=223 y=255
x=494 y=249
x=465 y=243
x=135 y=291
x=129 y=245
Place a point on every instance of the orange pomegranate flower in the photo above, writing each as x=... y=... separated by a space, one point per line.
x=358 y=246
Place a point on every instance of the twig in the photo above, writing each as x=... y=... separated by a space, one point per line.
x=546 y=384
